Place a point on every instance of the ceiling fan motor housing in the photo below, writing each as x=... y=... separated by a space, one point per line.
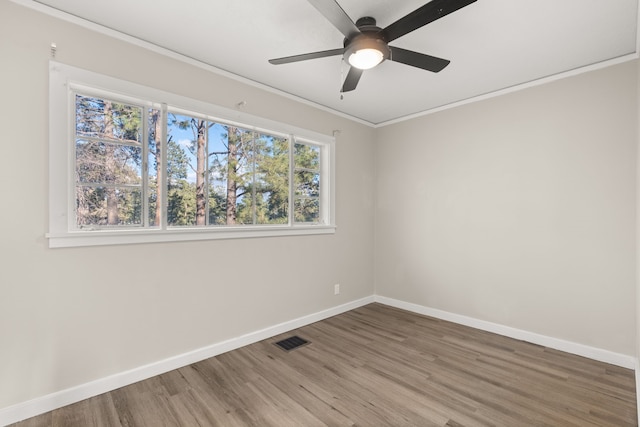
x=370 y=37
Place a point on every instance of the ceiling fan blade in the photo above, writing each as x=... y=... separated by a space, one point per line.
x=420 y=60
x=420 y=17
x=337 y=16
x=353 y=77
x=306 y=56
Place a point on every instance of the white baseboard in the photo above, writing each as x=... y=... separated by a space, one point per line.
x=601 y=355
x=62 y=398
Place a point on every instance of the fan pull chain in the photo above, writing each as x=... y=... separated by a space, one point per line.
x=341 y=78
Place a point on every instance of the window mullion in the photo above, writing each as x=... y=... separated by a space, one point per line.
x=206 y=174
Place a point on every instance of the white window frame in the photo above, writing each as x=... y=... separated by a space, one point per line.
x=65 y=79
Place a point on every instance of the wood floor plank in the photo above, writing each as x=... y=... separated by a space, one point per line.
x=98 y=411
x=373 y=366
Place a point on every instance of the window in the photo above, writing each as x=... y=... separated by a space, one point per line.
x=130 y=164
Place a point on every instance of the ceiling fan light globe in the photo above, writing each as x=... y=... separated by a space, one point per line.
x=365 y=59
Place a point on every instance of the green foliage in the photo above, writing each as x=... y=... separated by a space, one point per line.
x=181 y=206
x=181 y=195
x=177 y=162
x=217 y=208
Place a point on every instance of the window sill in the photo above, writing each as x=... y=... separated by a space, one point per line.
x=127 y=237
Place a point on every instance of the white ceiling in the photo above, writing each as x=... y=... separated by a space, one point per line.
x=492 y=45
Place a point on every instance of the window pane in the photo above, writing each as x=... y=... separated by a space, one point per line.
x=186 y=198
x=307 y=210
x=100 y=162
x=108 y=206
x=108 y=157
x=271 y=179
x=101 y=118
x=240 y=176
x=231 y=170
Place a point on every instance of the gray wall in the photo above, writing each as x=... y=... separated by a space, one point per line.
x=518 y=210
x=69 y=316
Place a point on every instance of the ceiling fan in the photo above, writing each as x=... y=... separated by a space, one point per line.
x=366 y=45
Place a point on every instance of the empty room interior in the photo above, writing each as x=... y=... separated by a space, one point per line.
x=451 y=229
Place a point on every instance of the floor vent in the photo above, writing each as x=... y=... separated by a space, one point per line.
x=292 y=343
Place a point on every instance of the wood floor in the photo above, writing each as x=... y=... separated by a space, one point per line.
x=373 y=366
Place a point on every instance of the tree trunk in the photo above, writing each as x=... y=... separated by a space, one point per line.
x=111 y=167
x=201 y=158
x=232 y=185
x=155 y=117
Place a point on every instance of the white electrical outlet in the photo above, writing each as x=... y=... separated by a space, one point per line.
x=336 y=289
